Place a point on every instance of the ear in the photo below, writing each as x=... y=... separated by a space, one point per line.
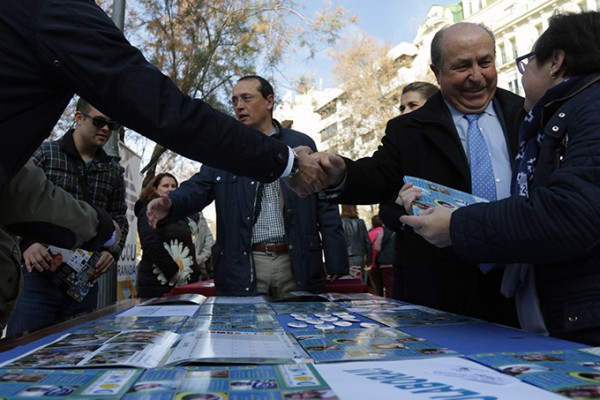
x=557 y=63
x=270 y=102
x=436 y=72
x=78 y=116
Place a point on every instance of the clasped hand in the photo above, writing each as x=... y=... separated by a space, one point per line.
x=317 y=171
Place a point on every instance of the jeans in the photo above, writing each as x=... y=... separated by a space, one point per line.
x=41 y=303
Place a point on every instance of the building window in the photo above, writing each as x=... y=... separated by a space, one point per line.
x=515 y=51
x=539 y=29
x=503 y=53
x=329 y=132
x=515 y=84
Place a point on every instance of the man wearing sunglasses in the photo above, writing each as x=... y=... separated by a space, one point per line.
x=77 y=163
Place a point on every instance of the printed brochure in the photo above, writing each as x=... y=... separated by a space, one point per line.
x=253 y=382
x=435 y=195
x=188 y=298
x=417 y=316
x=73 y=271
x=249 y=382
x=366 y=344
x=152 y=348
x=571 y=373
x=16 y=383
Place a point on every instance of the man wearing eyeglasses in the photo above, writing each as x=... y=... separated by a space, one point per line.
x=77 y=163
x=269 y=240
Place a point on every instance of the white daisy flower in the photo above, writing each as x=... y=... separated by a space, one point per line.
x=181 y=255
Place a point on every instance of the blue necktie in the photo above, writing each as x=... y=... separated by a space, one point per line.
x=482 y=172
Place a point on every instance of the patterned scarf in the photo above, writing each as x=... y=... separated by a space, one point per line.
x=531 y=137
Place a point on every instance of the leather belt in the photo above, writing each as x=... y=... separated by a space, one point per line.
x=271 y=248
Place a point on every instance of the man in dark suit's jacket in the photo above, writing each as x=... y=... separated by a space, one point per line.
x=426 y=144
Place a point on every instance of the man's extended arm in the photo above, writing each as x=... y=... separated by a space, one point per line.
x=34 y=207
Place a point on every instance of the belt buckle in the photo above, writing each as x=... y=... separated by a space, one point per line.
x=268 y=252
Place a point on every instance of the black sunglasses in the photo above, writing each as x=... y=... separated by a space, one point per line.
x=99 y=122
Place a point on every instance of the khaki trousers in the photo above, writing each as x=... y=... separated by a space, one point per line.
x=274 y=276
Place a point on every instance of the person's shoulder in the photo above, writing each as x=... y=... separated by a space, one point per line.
x=138 y=207
x=431 y=110
x=49 y=145
x=297 y=136
x=49 y=150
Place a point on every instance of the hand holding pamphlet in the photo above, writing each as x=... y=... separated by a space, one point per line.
x=435 y=195
x=74 y=271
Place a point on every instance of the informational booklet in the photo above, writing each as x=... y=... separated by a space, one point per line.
x=125 y=323
x=571 y=373
x=73 y=271
x=77 y=384
x=366 y=344
x=418 y=316
x=236 y=348
x=237 y=300
x=252 y=382
x=151 y=349
x=363 y=306
x=426 y=379
x=351 y=296
x=161 y=310
x=135 y=348
x=252 y=322
x=232 y=308
x=435 y=195
x=187 y=298
x=307 y=307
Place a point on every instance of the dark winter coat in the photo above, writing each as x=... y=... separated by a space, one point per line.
x=558 y=228
x=313 y=227
x=425 y=143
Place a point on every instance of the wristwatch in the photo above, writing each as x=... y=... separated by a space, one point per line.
x=295 y=164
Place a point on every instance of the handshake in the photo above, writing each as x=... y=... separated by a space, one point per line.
x=317 y=171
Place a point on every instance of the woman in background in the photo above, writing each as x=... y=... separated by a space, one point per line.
x=168 y=253
x=358 y=245
x=203 y=241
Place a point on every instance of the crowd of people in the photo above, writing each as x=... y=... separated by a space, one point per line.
x=526 y=257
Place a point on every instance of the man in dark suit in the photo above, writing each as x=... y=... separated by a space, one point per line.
x=431 y=143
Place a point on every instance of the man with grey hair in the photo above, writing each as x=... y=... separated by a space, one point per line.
x=469 y=129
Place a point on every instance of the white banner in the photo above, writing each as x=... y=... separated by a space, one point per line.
x=126 y=267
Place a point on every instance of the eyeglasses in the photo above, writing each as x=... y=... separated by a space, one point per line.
x=100 y=122
x=245 y=98
x=523 y=61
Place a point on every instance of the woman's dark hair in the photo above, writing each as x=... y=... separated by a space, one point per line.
x=375 y=221
x=147 y=193
x=578 y=35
